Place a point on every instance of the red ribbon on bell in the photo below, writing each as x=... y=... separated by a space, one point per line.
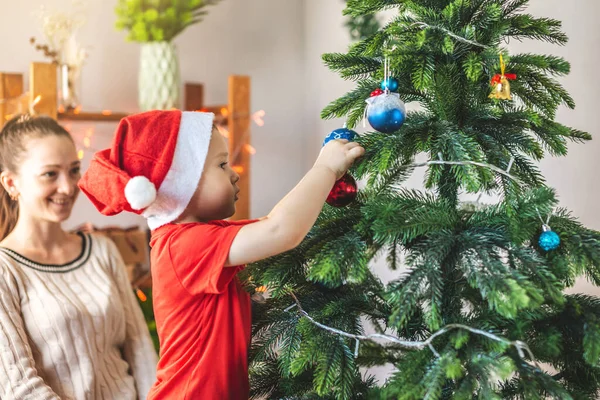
x=498 y=78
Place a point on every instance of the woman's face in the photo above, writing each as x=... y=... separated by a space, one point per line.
x=46 y=182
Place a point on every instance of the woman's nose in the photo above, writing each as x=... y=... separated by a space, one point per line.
x=67 y=185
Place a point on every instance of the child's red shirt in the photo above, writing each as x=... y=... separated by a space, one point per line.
x=202 y=313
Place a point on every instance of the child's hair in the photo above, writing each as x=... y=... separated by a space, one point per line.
x=12 y=146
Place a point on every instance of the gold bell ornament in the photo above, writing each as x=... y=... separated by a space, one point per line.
x=500 y=84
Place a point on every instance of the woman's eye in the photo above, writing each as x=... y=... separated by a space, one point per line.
x=76 y=171
x=223 y=165
x=50 y=174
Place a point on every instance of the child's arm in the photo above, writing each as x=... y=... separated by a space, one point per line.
x=291 y=219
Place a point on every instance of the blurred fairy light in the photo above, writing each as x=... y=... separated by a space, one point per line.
x=258 y=116
x=35 y=101
x=250 y=149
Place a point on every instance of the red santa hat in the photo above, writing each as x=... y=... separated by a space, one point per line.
x=153 y=166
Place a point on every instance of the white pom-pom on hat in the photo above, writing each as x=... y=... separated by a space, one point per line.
x=140 y=192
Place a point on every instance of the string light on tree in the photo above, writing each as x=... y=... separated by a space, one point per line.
x=523 y=350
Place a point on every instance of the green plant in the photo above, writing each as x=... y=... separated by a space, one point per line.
x=158 y=20
x=148 y=311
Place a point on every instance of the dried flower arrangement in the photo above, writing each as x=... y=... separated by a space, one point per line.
x=59 y=31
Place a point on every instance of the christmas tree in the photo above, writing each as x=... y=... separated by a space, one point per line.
x=477 y=309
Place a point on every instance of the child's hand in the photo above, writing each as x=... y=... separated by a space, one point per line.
x=338 y=156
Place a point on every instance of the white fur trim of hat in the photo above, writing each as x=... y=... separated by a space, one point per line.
x=181 y=181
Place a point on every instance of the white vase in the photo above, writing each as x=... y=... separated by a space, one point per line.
x=69 y=97
x=159 y=81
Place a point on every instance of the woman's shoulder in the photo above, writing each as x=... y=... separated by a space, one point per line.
x=99 y=239
x=8 y=259
x=10 y=269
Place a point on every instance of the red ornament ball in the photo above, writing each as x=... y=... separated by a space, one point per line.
x=343 y=193
x=376 y=92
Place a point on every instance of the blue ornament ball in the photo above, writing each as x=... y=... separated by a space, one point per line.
x=549 y=240
x=341 y=133
x=390 y=84
x=386 y=113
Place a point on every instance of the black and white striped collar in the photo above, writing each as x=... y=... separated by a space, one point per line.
x=82 y=258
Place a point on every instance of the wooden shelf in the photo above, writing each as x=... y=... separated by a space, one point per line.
x=217 y=110
x=105 y=116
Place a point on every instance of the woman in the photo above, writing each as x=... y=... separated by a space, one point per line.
x=70 y=326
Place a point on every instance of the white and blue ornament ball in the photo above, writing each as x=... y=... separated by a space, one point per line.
x=386 y=112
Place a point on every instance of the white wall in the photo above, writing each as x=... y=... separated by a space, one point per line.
x=324 y=33
x=260 y=38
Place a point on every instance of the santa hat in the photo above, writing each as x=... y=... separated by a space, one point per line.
x=153 y=166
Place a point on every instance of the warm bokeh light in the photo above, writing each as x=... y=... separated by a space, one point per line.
x=250 y=149
x=141 y=295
